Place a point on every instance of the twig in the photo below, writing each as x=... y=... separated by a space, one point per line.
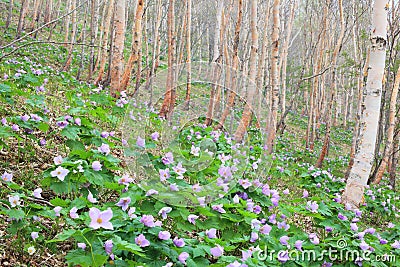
x=40 y=201
x=43 y=26
x=319 y=74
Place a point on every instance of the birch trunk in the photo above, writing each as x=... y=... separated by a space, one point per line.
x=169 y=97
x=248 y=109
x=364 y=157
x=189 y=52
x=272 y=124
x=117 y=62
x=390 y=130
x=136 y=45
x=102 y=56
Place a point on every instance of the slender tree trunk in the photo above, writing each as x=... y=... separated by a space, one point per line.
x=35 y=14
x=273 y=117
x=93 y=34
x=395 y=160
x=134 y=57
x=216 y=58
x=73 y=36
x=169 y=97
x=22 y=14
x=49 y=11
x=156 y=37
x=189 y=52
x=285 y=48
x=117 y=62
x=336 y=52
x=9 y=14
x=66 y=23
x=78 y=76
x=390 y=130
x=106 y=27
x=235 y=64
x=364 y=157
x=248 y=109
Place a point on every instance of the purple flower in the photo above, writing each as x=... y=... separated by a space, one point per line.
x=25 y=117
x=124 y=203
x=285 y=192
x=370 y=231
x=147 y=220
x=57 y=211
x=173 y=187
x=15 y=127
x=108 y=246
x=253 y=237
x=37 y=192
x=312 y=206
x=96 y=166
x=265 y=229
x=272 y=218
x=383 y=241
x=155 y=136
x=211 y=233
x=60 y=173
x=4 y=121
x=34 y=235
x=42 y=142
x=328 y=229
x=179 y=242
x=78 y=121
x=284 y=240
x=168 y=158
x=364 y=245
x=219 y=208
x=183 y=257
x=298 y=244
x=7 y=177
x=151 y=192
x=225 y=172
x=73 y=213
x=192 y=218
x=275 y=201
x=125 y=180
x=391 y=225
x=247 y=254
x=140 y=142
x=81 y=246
x=354 y=227
x=164 y=174
x=217 y=251
x=179 y=170
x=104 y=134
x=342 y=217
x=141 y=241
x=327 y=264
x=62 y=124
x=396 y=244
x=104 y=148
x=100 y=219
x=305 y=193
x=164 y=235
x=283 y=256
x=244 y=183
x=314 y=238
x=91 y=198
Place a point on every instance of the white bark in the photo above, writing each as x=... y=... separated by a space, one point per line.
x=364 y=157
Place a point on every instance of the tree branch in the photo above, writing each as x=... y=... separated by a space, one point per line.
x=319 y=74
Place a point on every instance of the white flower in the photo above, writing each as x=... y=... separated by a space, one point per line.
x=60 y=173
x=14 y=201
x=31 y=250
x=195 y=151
x=58 y=160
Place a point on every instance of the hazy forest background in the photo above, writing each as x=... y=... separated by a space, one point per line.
x=199 y=133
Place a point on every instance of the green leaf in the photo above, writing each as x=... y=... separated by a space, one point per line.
x=63 y=236
x=16 y=214
x=4 y=88
x=44 y=127
x=59 y=202
x=75 y=145
x=71 y=132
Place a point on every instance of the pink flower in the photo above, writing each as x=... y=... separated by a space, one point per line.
x=140 y=142
x=147 y=220
x=164 y=235
x=104 y=148
x=96 y=165
x=284 y=240
x=265 y=229
x=81 y=245
x=219 y=208
x=212 y=233
x=125 y=180
x=164 y=211
x=73 y=214
x=164 y=174
x=168 y=158
x=217 y=251
x=183 y=257
x=60 y=173
x=124 y=203
x=37 y=192
x=34 y=235
x=192 y=218
x=244 y=183
x=100 y=219
x=141 y=241
x=57 y=211
x=155 y=136
x=179 y=170
x=91 y=198
x=179 y=242
x=7 y=177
